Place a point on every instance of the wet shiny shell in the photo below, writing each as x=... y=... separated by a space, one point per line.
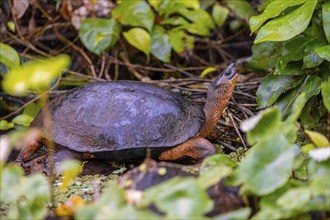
x=103 y=117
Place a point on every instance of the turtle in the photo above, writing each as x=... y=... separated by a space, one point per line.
x=120 y=120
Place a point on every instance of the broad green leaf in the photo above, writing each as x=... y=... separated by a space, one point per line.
x=32 y=109
x=267 y=165
x=179 y=198
x=204 y=4
x=310 y=116
x=5 y=125
x=10 y=177
x=241 y=214
x=160 y=47
x=219 y=14
x=311 y=59
x=201 y=22
x=264 y=55
x=311 y=86
x=99 y=34
x=213 y=176
x=155 y=3
x=139 y=38
x=35 y=76
x=272 y=10
x=113 y=197
x=297 y=107
x=287 y=26
x=295 y=199
x=23 y=119
x=323 y=52
x=318 y=139
x=9 y=56
x=207 y=71
x=292 y=68
x=241 y=8
x=326 y=94
x=264 y=124
x=326 y=19
x=293 y=50
x=193 y=4
x=217 y=160
x=272 y=86
x=134 y=13
x=176 y=21
x=181 y=41
x=69 y=169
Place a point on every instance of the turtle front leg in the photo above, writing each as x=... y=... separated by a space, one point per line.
x=196 y=148
x=28 y=150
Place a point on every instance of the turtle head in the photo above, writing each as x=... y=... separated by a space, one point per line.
x=218 y=95
x=223 y=85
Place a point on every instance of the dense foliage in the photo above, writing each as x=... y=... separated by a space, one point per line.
x=285 y=176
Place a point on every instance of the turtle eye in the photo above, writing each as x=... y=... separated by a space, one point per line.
x=230 y=72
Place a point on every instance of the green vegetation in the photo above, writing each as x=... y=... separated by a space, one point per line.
x=285 y=174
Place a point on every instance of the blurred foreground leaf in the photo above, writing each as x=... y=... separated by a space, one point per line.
x=34 y=76
x=9 y=56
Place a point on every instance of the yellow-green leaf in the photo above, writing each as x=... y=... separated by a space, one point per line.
x=70 y=169
x=219 y=14
x=140 y=39
x=207 y=71
x=287 y=26
x=34 y=76
x=9 y=56
x=318 y=139
x=326 y=94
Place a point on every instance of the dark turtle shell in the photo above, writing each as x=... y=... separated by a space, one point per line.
x=121 y=116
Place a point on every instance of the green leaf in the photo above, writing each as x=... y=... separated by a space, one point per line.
x=272 y=10
x=160 y=47
x=201 y=21
x=9 y=56
x=297 y=107
x=219 y=14
x=113 y=197
x=318 y=139
x=264 y=124
x=326 y=94
x=311 y=86
x=241 y=8
x=179 y=198
x=311 y=59
x=272 y=86
x=295 y=199
x=213 y=176
x=23 y=119
x=69 y=169
x=134 y=13
x=287 y=26
x=99 y=34
x=323 y=52
x=32 y=109
x=264 y=55
x=293 y=50
x=267 y=165
x=181 y=41
x=35 y=76
x=139 y=38
x=10 y=177
x=241 y=214
x=5 y=125
x=207 y=71
x=326 y=19
x=155 y=3
x=292 y=68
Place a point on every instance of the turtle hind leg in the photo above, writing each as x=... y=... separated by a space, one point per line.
x=195 y=148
